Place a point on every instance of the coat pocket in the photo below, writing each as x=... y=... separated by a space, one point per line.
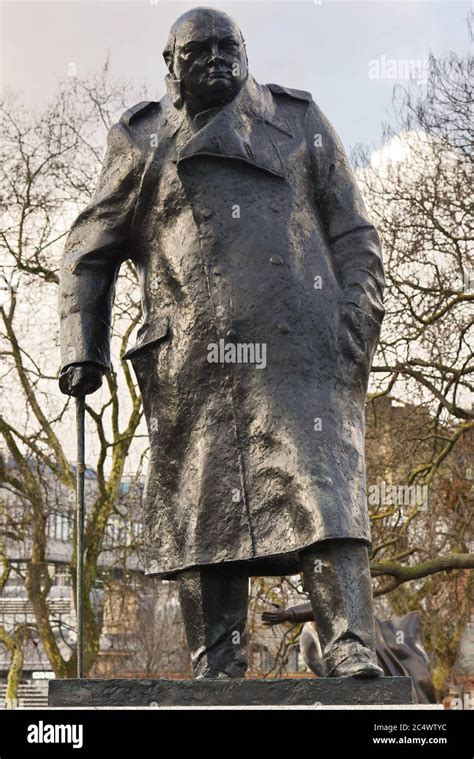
x=149 y=335
x=358 y=336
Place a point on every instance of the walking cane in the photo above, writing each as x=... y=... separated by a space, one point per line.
x=80 y=469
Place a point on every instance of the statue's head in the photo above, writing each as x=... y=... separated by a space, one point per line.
x=206 y=58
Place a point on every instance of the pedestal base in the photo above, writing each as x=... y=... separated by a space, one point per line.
x=235 y=692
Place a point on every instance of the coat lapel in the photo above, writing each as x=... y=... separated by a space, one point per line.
x=239 y=131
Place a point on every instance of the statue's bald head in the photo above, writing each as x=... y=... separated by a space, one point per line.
x=206 y=53
x=192 y=22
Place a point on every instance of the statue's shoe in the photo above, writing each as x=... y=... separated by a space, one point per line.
x=355 y=666
x=354 y=660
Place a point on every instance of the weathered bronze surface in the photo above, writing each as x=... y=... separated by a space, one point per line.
x=262 y=282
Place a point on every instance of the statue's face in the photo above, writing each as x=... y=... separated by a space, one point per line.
x=209 y=59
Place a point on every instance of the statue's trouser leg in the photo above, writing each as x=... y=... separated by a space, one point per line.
x=214 y=602
x=337 y=578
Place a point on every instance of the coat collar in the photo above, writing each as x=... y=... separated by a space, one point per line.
x=238 y=130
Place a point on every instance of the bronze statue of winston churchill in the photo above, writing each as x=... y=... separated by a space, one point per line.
x=261 y=279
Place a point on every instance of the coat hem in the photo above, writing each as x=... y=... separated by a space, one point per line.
x=275 y=564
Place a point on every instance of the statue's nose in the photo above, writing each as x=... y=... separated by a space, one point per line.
x=215 y=55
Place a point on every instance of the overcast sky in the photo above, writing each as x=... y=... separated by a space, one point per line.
x=325 y=48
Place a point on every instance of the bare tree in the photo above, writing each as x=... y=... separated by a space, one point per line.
x=419 y=195
x=49 y=165
x=144 y=630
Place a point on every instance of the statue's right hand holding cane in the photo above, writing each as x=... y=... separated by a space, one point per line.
x=81 y=379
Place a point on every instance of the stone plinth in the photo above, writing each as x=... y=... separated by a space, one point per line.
x=235 y=692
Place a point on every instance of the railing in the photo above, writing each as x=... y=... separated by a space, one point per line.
x=29 y=695
x=22 y=606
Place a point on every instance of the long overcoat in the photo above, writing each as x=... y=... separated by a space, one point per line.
x=262 y=281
